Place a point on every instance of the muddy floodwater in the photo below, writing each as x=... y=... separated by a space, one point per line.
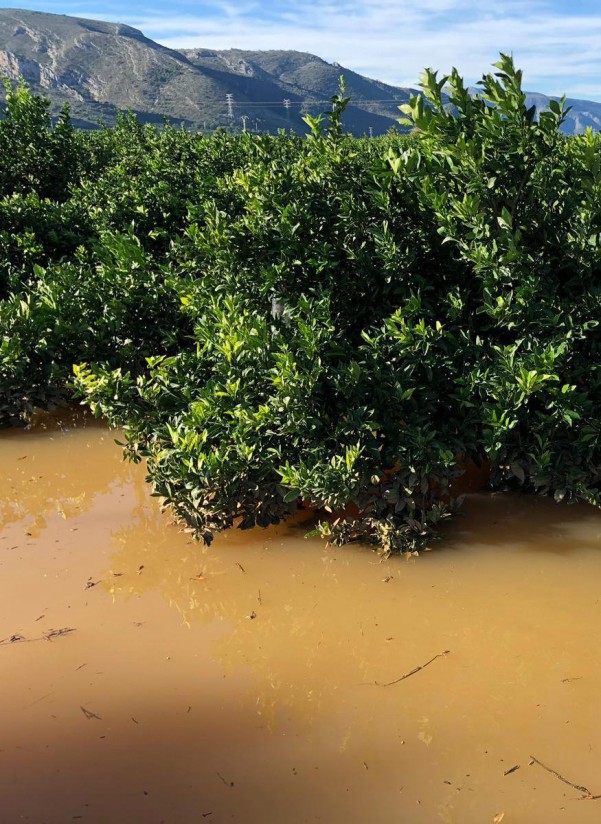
x=144 y=678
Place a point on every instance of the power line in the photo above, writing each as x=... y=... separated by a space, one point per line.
x=307 y=102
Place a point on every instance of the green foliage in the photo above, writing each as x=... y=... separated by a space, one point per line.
x=89 y=263
x=519 y=205
x=116 y=308
x=340 y=322
x=37 y=155
x=37 y=231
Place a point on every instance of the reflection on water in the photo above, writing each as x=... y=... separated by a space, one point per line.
x=240 y=682
x=40 y=478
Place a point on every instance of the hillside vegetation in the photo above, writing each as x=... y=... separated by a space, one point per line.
x=336 y=321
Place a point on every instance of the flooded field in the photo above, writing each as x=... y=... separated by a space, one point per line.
x=147 y=679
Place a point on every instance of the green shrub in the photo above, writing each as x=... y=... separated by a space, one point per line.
x=117 y=308
x=518 y=203
x=38 y=156
x=345 y=323
x=286 y=396
x=35 y=231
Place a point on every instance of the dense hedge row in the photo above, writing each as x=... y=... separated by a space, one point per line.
x=345 y=322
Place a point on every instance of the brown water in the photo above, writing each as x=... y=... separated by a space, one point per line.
x=243 y=682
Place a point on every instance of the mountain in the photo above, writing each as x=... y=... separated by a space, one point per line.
x=307 y=82
x=103 y=68
x=582 y=115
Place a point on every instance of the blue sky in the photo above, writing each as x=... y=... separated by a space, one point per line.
x=555 y=42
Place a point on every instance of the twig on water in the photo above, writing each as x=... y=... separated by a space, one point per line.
x=587 y=795
x=413 y=671
x=37 y=701
x=55 y=633
x=47 y=636
x=89 y=714
x=227 y=783
x=13 y=639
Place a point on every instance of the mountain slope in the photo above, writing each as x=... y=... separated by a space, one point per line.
x=102 y=68
x=306 y=81
x=99 y=68
x=582 y=115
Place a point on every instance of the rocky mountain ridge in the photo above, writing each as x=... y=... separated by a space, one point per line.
x=102 y=68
